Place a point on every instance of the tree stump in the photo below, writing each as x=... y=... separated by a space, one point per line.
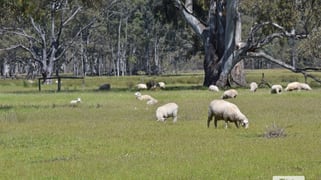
x=263 y=82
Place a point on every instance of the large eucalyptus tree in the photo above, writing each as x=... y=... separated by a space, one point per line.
x=221 y=34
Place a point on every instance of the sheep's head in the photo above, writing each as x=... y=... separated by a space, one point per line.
x=245 y=123
x=78 y=100
x=137 y=94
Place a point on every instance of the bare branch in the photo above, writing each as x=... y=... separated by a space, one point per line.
x=272 y=59
x=74 y=38
x=72 y=16
x=37 y=28
x=10 y=48
x=269 y=38
x=285 y=65
x=195 y=23
x=17 y=31
x=22 y=47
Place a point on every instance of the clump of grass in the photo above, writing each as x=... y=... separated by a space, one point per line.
x=10 y=116
x=274 y=131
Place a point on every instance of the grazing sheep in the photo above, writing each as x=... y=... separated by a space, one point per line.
x=223 y=110
x=305 y=86
x=167 y=110
x=297 y=86
x=73 y=103
x=231 y=93
x=141 y=86
x=213 y=88
x=151 y=85
x=141 y=97
x=276 y=89
x=253 y=86
x=150 y=100
x=161 y=85
x=30 y=81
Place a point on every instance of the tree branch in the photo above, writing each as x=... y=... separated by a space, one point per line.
x=284 y=65
x=10 y=48
x=72 y=16
x=22 y=47
x=74 y=38
x=253 y=44
x=195 y=23
x=17 y=31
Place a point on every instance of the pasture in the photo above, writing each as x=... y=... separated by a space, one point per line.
x=111 y=135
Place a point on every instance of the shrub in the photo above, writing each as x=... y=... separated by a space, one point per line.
x=274 y=131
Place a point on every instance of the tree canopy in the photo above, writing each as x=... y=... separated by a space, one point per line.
x=145 y=37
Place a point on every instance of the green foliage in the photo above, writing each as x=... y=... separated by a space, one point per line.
x=278 y=11
x=310 y=48
x=153 y=37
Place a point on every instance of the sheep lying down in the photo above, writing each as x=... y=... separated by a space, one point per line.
x=166 y=111
x=229 y=112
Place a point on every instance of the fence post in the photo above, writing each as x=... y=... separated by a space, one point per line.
x=59 y=84
x=39 y=84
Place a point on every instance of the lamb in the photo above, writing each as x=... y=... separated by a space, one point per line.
x=297 y=86
x=167 y=110
x=231 y=93
x=73 y=103
x=253 y=86
x=276 y=89
x=161 y=85
x=213 y=88
x=150 y=99
x=224 y=110
x=141 y=86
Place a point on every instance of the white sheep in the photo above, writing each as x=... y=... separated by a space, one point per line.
x=297 y=86
x=253 y=86
x=229 y=112
x=161 y=85
x=276 y=89
x=141 y=86
x=213 y=88
x=150 y=100
x=167 y=110
x=75 y=102
x=141 y=97
x=305 y=86
x=231 y=93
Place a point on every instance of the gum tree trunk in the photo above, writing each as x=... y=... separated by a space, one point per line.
x=220 y=36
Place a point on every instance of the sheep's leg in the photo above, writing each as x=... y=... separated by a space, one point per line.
x=175 y=119
x=215 y=122
x=226 y=124
x=236 y=124
x=209 y=119
x=175 y=116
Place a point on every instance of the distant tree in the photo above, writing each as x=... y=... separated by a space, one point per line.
x=42 y=32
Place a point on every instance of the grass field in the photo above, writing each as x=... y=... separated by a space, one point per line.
x=111 y=135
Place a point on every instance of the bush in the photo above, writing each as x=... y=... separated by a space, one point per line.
x=274 y=132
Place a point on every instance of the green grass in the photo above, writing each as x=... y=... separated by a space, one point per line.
x=111 y=135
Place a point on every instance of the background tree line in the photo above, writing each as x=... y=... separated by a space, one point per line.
x=128 y=37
